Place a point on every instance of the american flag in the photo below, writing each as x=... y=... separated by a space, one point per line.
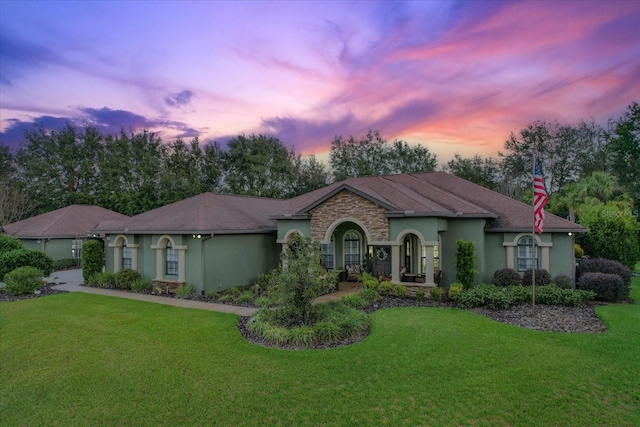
x=540 y=199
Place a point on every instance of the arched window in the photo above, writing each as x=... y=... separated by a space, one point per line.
x=172 y=260
x=126 y=256
x=352 y=248
x=525 y=247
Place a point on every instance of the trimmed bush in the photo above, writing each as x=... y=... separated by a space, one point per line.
x=13 y=259
x=563 y=281
x=483 y=295
x=23 y=280
x=372 y=284
x=436 y=294
x=602 y=265
x=369 y=295
x=420 y=294
x=355 y=301
x=578 y=251
x=187 y=290
x=542 y=277
x=506 y=277
x=518 y=295
x=549 y=294
x=608 y=287
x=92 y=259
x=105 y=279
x=66 y=264
x=465 y=263
x=400 y=291
x=9 y=243
x=140 y=285
x=386 y=289
x=455 y=290
x=125 y=277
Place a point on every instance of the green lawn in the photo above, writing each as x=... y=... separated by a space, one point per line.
x=80 y=359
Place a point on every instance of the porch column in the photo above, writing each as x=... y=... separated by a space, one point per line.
x=428 y=273
x=181 y=267
x=117 y=258
x=395 y=264
x=134 y=256
x=159 y=263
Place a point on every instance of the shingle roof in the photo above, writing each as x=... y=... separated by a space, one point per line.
x=69 y=222
x=204 y=213
x=433 y=194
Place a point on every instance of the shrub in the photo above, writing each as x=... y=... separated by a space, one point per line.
x=483 y=295
x=608 y=287
x=355 y=301
x=563 y=281
x=369 y=295
x=577 y=298
x=578 y=251
x=186 y=290
x=105 y=279
x=262 y=301
x=542 y=277
x=277 y=335
x=23 y=280
x=92 y=259
x=66 y=264
x=506 y=277
x=386 y=289
x=420 y=294
x=327 y=332
x=602 y=265
x=303 y=336
x=400 y=291
x=9 y=243
x=140 y=285
x=549 y=294
x=465 y=263
x=23 y=257
x=371 y=284
x=436 y=294
x=455 y=290
x=125 y=277
x=246 y=297
x=518 y=295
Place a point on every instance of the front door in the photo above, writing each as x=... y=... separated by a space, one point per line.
x=382 y=261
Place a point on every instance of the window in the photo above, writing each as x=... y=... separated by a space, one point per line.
x=172 y=260
x=126 y=257
x=328 y=252
x=352 y=248
x=76 y=248
x=524 y=253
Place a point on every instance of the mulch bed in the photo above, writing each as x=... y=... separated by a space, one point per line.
x=44 y=291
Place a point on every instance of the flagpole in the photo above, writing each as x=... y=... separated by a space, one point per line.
x=533 y=240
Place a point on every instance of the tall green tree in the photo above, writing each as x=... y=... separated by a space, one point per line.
x=14 y=204
x=623 y=149
x=130 y=170
x=258 y=165
x=57 y=168
x=310 y=174
x=475 y=169
x=372 y=155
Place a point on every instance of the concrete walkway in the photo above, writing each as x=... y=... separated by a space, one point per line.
x=70 y=281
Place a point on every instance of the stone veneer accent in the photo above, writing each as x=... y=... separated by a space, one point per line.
x=346 y=204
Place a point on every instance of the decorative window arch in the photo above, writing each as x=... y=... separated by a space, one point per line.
x=517 y=253
x=171 y=257
x=125 y=253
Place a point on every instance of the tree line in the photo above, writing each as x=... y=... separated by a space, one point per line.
x=584 y=165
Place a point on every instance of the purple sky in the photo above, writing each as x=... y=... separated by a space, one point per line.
x=454 y=76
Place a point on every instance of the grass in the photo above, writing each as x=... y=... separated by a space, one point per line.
x=79 y=359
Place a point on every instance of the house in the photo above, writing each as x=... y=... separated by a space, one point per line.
x=406 y=223
x=61 y=233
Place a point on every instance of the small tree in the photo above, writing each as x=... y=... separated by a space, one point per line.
x=92 y=259
x=299 y=281
x=9 y=243
x=465 y=263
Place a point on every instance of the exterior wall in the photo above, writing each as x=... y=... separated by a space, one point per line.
x=228 y=259
x=55 y=248
x=496 y=255
x=428 y=227
x=238 y=259
x=465 y=229
x=286 y=226
x=346 y=204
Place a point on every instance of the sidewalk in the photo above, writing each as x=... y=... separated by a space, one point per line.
x=70 y=281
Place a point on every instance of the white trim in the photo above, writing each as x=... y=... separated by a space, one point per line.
x=287 y=236
x=337 y=222
x=545 y=249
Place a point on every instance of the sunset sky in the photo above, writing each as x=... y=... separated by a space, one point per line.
x=454 y=76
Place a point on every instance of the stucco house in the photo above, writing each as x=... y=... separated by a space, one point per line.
x=382 y=224
x=61 y=233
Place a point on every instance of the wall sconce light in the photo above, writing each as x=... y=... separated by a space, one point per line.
x=196 y=236
x=570 y=234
